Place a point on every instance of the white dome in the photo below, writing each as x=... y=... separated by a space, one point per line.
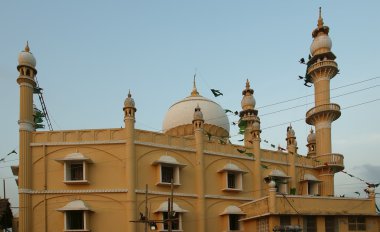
x=322 y=43
x=178 y=119
x=26 y=58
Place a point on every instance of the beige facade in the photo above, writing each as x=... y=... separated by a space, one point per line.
x=95 y=180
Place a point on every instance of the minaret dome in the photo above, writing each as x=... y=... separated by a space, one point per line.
x=311 y=137
x=248 y=102
x=26 y=58
x=129 y=102
x=322 y=42
x=198 y=115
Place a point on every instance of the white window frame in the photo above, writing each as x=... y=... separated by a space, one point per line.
x=281 y=185
x=75 y=158
x=85 y=221
x=237 y=172
x=232 y=210
x=168 y=161
x=67 y=172
x=310 y=182
x=314 y=187
x=78 y=206
x=239 y=222
x=179 y=222
x=163 y=208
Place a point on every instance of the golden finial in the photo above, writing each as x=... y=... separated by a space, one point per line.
x=27 y=49
x=129 y=93
x=320 y=19
x=194 y=92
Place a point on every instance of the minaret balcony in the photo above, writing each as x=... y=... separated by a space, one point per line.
x=331 y=160
x=323 y=68
x=329 y=112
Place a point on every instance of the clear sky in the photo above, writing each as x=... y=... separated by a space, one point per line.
x=90 y=53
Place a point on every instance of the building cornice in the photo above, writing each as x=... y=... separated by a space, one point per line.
x=66 y=191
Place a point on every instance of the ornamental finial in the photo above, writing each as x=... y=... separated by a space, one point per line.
x=27 y=49
x=320 y=19
x=194 y=92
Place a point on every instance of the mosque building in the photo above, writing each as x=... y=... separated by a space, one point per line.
x=95 y=180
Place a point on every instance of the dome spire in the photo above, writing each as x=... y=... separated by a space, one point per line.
x=195 y=91
x=320 y=19
x=321 y=29
x=27 y=49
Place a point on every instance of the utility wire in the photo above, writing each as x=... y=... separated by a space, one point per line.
x=293 y=99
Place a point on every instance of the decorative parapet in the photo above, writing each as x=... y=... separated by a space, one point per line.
x=256 y=208
x=78 y=136
x=326 y=205
x=307 y=205
x=333 y=160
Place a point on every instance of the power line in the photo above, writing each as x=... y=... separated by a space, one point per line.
x=293 y=99
x=297 y=106
x=300 y=119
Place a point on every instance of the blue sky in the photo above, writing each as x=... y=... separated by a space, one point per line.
x=90 y=53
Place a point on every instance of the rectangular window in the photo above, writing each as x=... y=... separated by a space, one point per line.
x=231 y=180
x=356 y=223
x=167 y=174
x=330 y=224
x=310 y=224
x=175 y=221
x=75 y=220
x=234 y=221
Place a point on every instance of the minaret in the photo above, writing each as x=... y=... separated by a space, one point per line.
x=26 y=80
x=130 y=161
x=291 y=142
x=248 y=117
x=198 y=123
x=321 y=68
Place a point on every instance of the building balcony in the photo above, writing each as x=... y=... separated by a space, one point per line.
x=327 y=67
x=330 y=112
x=332 y=160
x=308 y=205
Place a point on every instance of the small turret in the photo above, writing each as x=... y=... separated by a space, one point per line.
x=291 y=137
x=198 y=118
x=311 y=144
x=129 y=106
